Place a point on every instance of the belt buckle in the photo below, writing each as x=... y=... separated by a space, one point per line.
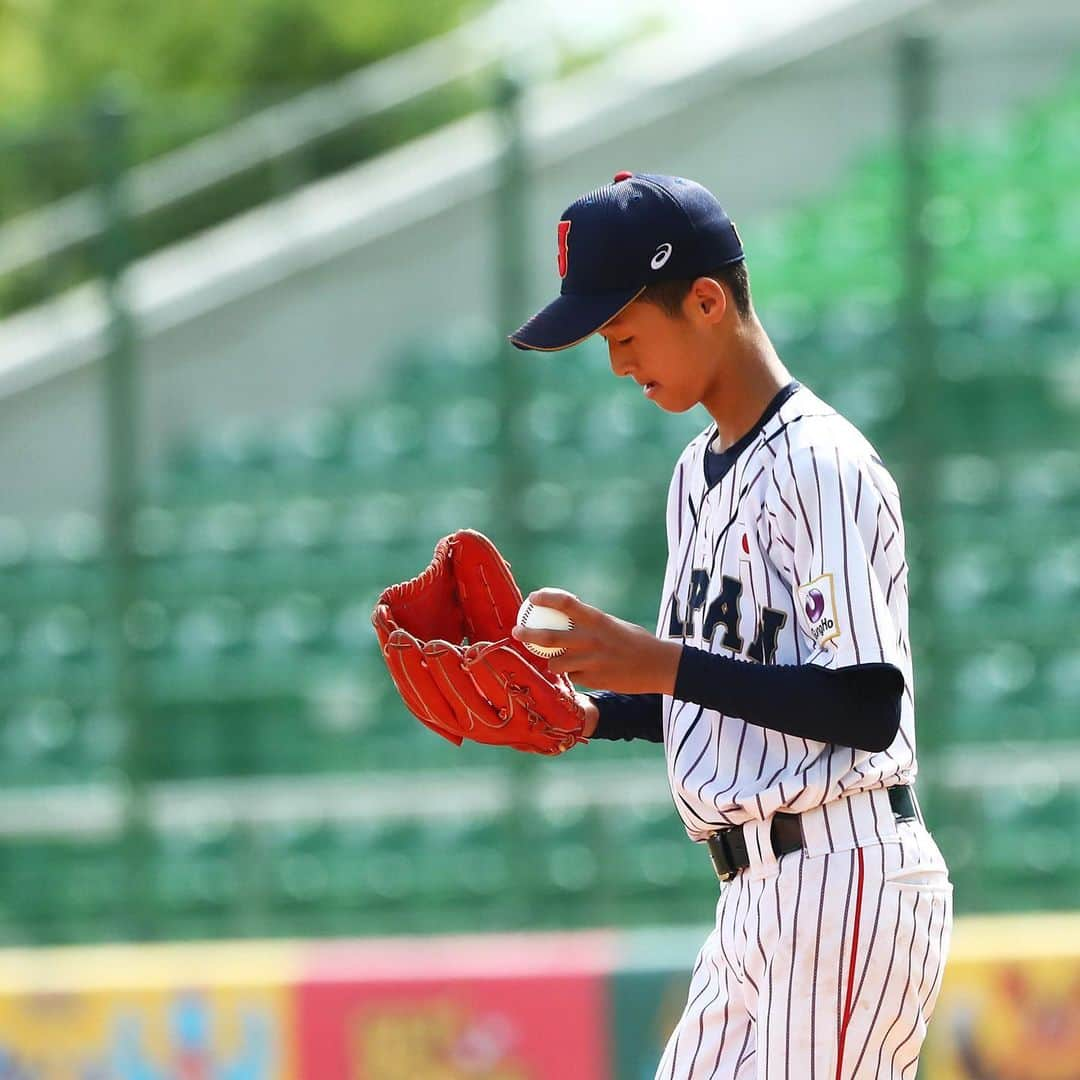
x=725 y=871
x=902 y=802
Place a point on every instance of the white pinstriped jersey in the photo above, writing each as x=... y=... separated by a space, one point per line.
x=795 y=556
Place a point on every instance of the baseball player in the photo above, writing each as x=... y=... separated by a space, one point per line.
x=779 y=678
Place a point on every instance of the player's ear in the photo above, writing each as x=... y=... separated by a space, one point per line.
x=707 y=299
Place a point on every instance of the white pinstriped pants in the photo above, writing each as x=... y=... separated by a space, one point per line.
x=825 y=964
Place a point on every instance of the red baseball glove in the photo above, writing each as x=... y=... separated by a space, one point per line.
x=445 y=636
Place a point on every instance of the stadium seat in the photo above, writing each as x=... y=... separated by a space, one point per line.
x=199 y=872
x=316 y=439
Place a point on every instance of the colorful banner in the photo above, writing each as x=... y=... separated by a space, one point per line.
x=1010 y=1003
x=573 y=1006
x=185 y=1035
x=160 y=1013
x=498 y=1008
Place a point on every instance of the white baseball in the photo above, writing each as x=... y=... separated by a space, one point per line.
x=539 y=617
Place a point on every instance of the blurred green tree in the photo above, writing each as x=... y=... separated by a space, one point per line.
x=53 y=53
x=189 y=69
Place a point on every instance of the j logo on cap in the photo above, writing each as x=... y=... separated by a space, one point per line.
x=564 y=254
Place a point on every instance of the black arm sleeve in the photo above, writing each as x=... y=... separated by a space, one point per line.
x=628 y=716
x=857 y=706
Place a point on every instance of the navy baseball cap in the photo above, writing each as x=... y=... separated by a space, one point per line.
x=617 y=240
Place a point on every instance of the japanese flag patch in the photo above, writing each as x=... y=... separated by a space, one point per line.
x=818 y=602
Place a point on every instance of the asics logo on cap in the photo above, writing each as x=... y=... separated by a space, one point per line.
x=663 y=253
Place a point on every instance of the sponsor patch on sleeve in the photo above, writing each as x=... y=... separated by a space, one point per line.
x=818 y=601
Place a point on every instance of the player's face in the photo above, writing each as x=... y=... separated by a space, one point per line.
x=668 y=356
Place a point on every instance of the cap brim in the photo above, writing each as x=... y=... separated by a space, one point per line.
x=570 y=319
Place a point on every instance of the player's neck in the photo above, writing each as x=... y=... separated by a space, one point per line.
x=748 y=377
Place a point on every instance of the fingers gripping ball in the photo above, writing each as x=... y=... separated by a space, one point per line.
x=538 y=617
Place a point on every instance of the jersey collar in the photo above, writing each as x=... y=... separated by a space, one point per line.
x=716 y=464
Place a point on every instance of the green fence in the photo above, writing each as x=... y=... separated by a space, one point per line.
x=201 y=739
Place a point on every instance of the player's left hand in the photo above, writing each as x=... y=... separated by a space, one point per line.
x=604 y=652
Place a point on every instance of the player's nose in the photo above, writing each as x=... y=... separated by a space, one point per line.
x=619 y=367
x=621 y=360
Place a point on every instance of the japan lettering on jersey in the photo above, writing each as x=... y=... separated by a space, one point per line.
x=796 y=556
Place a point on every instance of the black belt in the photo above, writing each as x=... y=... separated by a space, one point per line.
x=727 y=848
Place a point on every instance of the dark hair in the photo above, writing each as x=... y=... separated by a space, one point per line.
x=669 y=295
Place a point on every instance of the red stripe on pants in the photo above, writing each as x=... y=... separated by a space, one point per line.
x=848 y=1004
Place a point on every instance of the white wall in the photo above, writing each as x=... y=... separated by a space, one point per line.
x=304 y=303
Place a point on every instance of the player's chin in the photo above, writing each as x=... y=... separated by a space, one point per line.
x=671 y=401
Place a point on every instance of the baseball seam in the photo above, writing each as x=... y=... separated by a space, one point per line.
x=531 y=646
